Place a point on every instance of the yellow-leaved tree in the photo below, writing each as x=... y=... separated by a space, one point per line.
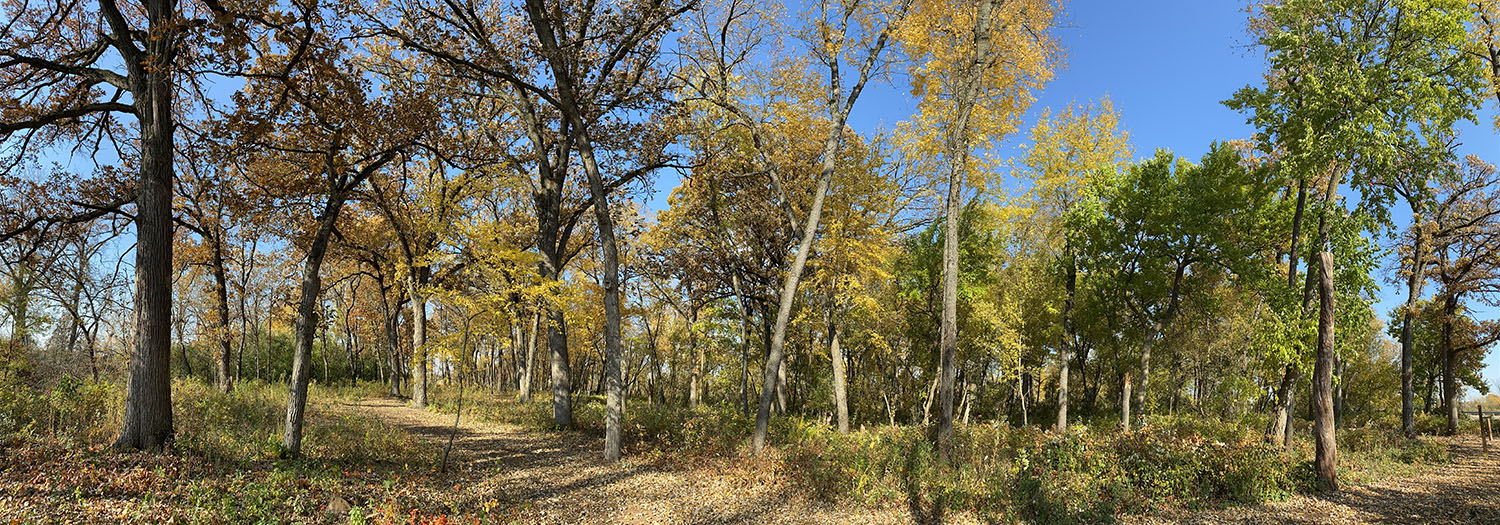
x=976 y=65
x=1067 y=155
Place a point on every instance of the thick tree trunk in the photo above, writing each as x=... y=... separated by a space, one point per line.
x=1125 y=403
x=948 y=342
x=1326 y=459
x=307 y=325
x=148 y=398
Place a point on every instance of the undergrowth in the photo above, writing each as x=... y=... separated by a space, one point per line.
x=1092 y=474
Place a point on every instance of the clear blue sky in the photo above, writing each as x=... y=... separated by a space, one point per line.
x=1167 y=65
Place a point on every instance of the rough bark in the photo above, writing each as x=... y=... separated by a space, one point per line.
x=307 y=325
x=1326 y=459
x=221 y=311
x=148 y=399
x=948 y=342
x=416 y=279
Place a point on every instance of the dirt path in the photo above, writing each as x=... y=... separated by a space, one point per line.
x=1465 y=492
x=545 y=477
x=560 y=478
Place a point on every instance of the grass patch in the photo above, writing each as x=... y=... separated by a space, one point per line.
x=224 y=466
x=1093 y=474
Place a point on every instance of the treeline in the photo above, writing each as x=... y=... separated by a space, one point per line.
x=420 y=191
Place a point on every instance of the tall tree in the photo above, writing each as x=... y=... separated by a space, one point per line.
x=65 y=68
x=977 y=65
x=1350 y=80
x=1064 y=160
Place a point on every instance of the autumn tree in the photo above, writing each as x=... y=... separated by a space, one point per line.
x=1064 y=160
x=1466 y=253
x=976 y=68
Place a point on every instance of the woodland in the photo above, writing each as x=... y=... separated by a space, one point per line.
x=475 y=261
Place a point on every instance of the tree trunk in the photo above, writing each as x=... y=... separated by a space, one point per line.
x=1450 y=369
x=1282 y=411
x=840 y=401
x=1125 y=402
x=392 y=344
x=148 y=399
x=838 y=108
x=739 y=296
x=414 y=283
x=1070 y=284
x=221 y=309
x=1413 y=294
x=1326 y=460
x=700 y=359
x=307 y=324
x=528 y=338
x=948 y=342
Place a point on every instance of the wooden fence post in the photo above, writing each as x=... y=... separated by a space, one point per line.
x=1484 y=429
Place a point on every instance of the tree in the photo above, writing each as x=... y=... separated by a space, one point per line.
x=1064 y=161
x=58 y=73
x=1350 y=78
x=1466 y=246
x=976 y=67
x=626 y=49
x=310 y=138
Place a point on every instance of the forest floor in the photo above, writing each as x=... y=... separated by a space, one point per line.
x=552 y=477
x=1467 y=491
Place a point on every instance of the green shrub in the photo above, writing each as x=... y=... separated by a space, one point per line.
x=1423 y=451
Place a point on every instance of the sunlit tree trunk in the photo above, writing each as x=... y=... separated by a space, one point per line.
x=1326 y=459
x=416 y=280
x=307 y=325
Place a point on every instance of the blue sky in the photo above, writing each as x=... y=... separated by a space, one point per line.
x=1167 y=66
